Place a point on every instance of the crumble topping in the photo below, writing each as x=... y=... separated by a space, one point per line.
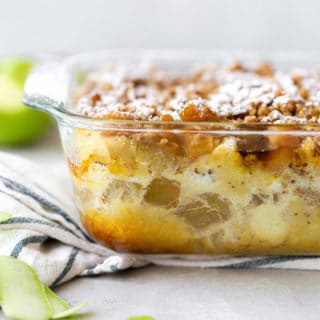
x=234 y=92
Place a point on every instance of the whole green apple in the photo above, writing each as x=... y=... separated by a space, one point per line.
x=18 y=124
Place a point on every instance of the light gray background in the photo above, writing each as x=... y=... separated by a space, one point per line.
x=77 y=25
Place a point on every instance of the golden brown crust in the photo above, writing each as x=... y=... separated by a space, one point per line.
x=236 y=93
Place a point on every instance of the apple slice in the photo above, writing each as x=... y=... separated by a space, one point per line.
x=69 y=312
x=57 y=304
x=22 y=294
x=141 y=318
x=61 y=309
x=4 y=216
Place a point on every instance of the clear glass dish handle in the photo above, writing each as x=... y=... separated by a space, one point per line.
x=46 y=87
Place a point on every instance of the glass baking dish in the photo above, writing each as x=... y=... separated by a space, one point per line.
x=176 y=187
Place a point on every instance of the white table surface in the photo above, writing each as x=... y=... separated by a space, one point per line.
x=186 y=293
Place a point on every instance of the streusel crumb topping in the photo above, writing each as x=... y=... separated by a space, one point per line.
x=234 y=92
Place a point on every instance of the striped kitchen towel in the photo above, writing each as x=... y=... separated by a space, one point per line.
x=40 y=225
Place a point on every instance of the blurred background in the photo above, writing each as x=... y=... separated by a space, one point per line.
x=69 y=26
x=77 y=25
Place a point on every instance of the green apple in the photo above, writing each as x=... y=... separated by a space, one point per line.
x=16 y=69
x=24 y=296
x=18 y=124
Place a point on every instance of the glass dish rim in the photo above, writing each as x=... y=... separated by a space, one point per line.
x=66 y=117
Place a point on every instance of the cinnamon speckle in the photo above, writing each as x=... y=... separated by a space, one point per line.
x=237 y=93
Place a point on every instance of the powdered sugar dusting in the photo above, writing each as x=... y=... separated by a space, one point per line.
x=222 y=93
